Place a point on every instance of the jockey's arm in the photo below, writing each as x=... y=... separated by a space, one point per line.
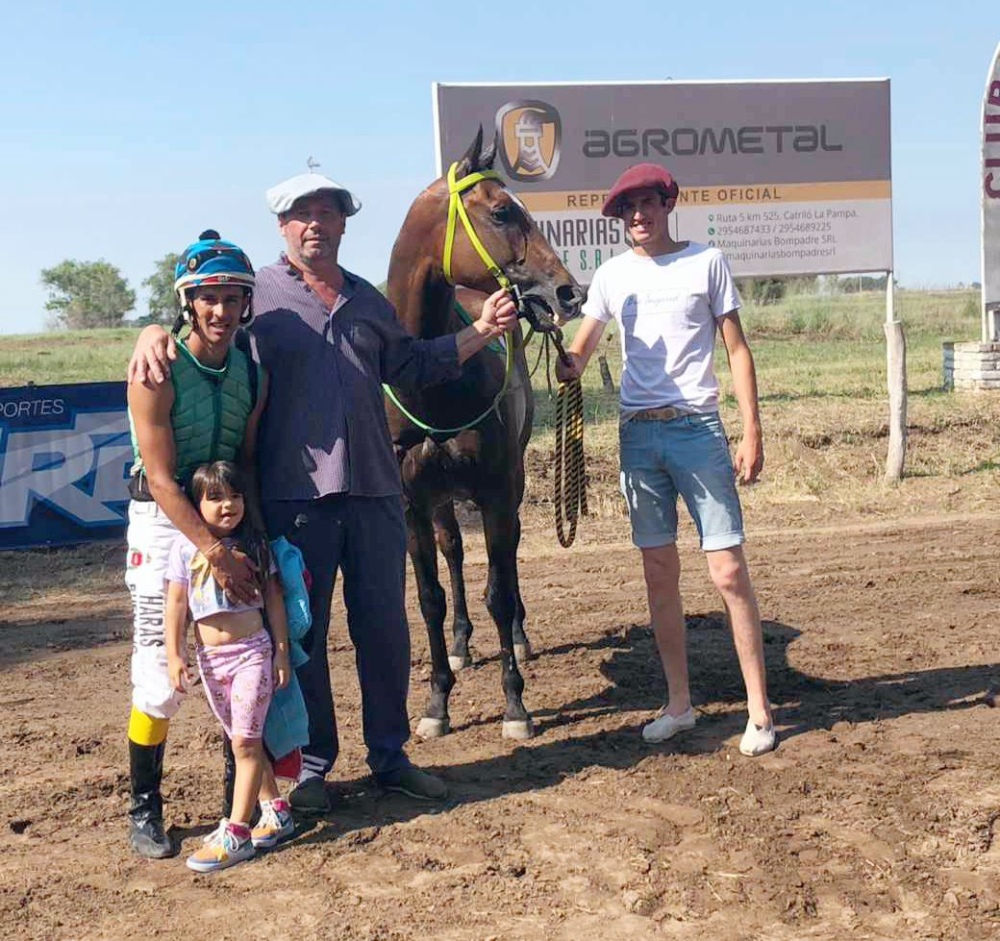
x=155 y=435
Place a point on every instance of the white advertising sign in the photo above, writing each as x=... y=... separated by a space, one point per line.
x=991 y=188
x=786 y=177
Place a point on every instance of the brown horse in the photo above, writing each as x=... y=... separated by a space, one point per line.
x=465 y=439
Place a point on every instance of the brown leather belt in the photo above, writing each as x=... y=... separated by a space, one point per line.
x=666 y=413
x=138 y=488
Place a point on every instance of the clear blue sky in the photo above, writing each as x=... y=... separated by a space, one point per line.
x=127 y=129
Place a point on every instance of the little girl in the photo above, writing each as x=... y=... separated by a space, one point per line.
x=235 y=654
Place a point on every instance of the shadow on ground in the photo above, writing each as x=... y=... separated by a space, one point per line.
x=803 y=703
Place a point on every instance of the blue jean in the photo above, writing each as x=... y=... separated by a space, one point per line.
x=365 y=538
x=689 y=457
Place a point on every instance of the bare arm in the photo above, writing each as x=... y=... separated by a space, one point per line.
x=580 y=350
x=274 y=605
x=155 y=350
x=749 y=458
x=151 y=414
x=175 y=623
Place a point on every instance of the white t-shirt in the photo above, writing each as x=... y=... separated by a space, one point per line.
x=188 y=567
x=666 y=308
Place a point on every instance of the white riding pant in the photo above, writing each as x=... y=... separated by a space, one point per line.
x=150 y=536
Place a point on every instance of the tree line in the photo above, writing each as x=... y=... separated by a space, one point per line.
x=763 y=291
x=88 y=294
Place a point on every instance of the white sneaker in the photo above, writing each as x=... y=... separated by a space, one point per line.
x=758 y=740
x=273 y=827
x=209 y=838
x=221 y=853
x=665 y=726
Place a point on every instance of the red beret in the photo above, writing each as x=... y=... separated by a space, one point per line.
x=641 y=176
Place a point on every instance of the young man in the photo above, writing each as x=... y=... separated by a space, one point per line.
x=668 y=299
x=208 y=411
x=328 y=340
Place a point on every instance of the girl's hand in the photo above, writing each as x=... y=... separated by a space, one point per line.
x=282 y=669
x=180 y=679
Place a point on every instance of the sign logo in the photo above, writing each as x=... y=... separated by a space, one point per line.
x=530 y=136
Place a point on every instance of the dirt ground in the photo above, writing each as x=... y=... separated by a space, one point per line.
x=877 y=817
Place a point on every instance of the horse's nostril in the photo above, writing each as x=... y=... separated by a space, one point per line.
x=571 y=298
x=568 y=296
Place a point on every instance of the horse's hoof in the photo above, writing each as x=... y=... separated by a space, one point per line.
x=519 y=729
x=432 y=728
x=523 y=652
x=459 y=663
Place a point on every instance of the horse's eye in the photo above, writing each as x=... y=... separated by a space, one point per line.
x=501 y=215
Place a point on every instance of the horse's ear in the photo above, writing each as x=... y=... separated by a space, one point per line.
x=488 y=156
x=470 y=160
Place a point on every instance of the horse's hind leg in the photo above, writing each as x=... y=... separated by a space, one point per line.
x=501 y=528
x=423 y=554
x=449 y=540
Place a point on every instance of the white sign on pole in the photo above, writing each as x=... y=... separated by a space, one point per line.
x=990 y=200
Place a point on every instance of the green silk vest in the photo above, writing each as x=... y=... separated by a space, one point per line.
x=210 y=411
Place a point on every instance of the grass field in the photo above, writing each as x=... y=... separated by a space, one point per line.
x=821 y=371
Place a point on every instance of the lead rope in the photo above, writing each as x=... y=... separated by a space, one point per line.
x=570 y=495
x=570 y=473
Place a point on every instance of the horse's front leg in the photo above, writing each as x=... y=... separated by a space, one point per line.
x=449 y=540
x=423 y=554
x=522 y=646
x=501 y=530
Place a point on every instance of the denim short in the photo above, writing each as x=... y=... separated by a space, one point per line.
x=688 y=456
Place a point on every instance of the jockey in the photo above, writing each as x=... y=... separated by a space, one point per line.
x=207 y=411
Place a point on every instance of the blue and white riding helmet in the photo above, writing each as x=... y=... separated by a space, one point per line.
x=211 y=260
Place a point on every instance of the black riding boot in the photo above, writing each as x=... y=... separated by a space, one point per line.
x=147 y=836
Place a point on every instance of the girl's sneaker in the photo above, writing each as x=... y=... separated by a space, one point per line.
x=230 y=845
x=216 y=834
x=275 y=824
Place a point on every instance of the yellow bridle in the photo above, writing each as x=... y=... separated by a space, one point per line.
x=456 y=211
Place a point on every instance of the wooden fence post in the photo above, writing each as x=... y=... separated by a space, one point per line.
x=895 y=350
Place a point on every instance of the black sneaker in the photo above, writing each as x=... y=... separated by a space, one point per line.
x=309 y=796
x=414 y=783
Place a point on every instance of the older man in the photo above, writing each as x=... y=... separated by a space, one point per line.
x=329 y=340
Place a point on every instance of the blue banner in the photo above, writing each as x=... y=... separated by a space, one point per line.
x=65 y=455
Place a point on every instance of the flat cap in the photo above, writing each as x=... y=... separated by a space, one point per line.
x=280 y=198
x=641 y=176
